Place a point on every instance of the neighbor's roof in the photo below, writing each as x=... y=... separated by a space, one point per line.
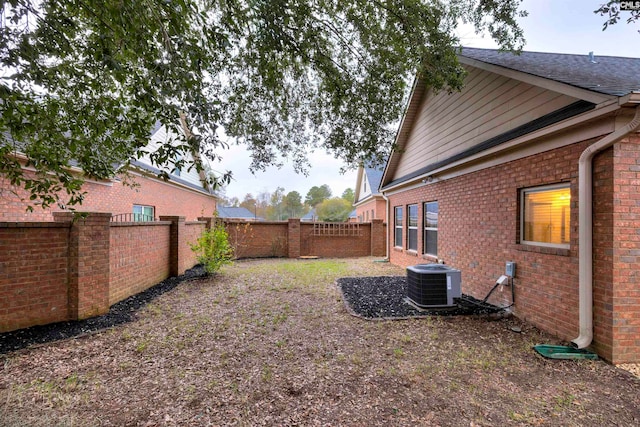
x=231 y=212
x=611 y=75
x=374 y=175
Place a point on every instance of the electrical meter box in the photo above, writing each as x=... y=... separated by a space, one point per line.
x=510 y=270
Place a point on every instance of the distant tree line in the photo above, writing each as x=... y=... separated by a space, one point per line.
x=279 y=205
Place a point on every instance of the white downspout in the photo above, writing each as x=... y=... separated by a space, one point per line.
x=387 y=208
x=585 y=228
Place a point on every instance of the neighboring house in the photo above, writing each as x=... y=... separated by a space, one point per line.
x=244 y=214
x=310 y=216
x=353 y=216
x=536 y=161
x=184 y=194
x=369 y=202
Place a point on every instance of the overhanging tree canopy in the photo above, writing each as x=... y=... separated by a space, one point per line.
x=83 y=81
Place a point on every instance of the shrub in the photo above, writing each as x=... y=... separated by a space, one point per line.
x=213 y=248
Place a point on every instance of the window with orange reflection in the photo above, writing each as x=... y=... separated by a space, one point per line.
x=545 y=215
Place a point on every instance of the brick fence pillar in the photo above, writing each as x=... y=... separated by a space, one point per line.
x=176 y=243
x=378 y=238
x=88 y=263
x=294 y=236
x=208 y=220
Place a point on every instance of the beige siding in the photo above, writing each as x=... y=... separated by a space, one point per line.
x=489 y=105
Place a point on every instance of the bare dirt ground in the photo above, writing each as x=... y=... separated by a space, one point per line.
x=271 y=343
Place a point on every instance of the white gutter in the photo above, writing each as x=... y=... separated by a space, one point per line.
x=585 y=228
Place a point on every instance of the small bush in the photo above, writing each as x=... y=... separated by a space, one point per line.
x=213 y=248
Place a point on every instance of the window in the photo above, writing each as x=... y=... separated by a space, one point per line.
x=143 y=213
x=367 y=213
x=431 y=228
x=412 y=230
x=372 y=215
x=177 y=171
x=397 y=237
x=545 y=215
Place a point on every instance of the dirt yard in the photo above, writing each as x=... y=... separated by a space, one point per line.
x=272 y=343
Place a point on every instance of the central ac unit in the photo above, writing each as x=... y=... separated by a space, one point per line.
x=433 y=285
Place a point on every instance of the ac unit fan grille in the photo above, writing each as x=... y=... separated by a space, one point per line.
x=427 y=289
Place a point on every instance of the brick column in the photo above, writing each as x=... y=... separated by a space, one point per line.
x=88 y=264
x=294 y=235
x=176 y=244
x=378 y=238
x=208 y=220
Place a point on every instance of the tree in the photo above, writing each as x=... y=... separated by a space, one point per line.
x=334 y=210
x=348 y=195
x=293 y=204
x=612 y=9
x=83 y=82
x=249 y=203
x=317 y=195
x=276 y=205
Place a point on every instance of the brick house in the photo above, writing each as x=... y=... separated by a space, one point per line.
x=369 y=203
x=536 y=161
x=185 y=193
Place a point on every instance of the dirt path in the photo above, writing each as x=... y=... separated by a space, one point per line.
x=271 y=343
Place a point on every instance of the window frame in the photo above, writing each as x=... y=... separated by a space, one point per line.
x=136 y=216
x=412 y=229
x=540 y=189
x=426 y=228
x=398 y=227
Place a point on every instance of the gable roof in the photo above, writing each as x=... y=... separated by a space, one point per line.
x=238 y=213
x=373 y=176
x=594 y=81
x=610 y=75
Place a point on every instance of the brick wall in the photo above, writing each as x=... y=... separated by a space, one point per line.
x=75 y=268
x=258 y=239
x=33 y=274
x=140 y=251
x=166 y=198
x=295 y=238
x=625 y=295
x=478 y=232
x=378 y=206
x=479 y=238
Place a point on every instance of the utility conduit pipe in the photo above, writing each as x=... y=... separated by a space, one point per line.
x=585 y=228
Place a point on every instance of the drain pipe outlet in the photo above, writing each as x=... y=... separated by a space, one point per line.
x=585 y=228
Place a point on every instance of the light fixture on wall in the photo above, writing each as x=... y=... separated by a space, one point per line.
x=427 y=179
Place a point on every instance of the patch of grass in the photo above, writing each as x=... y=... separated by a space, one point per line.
x=398 y=353
x=266 y=374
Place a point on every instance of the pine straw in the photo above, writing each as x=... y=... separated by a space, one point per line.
x=271 y=343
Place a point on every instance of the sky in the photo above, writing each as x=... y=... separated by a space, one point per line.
x=560 y=26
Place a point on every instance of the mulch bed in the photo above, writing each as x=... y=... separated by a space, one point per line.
x=121 y=312
x=384 y=297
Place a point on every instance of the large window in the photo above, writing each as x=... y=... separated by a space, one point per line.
x=545 y=215
x=397 y=237
x=431 y=228
x=412 y=229
x=143 y=213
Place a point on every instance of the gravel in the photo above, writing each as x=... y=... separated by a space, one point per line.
x=122 y=312
x=384 y=297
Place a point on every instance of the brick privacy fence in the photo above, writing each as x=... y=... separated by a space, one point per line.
x=293 y=238
x=71 y=270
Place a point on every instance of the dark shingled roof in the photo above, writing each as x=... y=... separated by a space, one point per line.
x=238 y=213
x=610 y=75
